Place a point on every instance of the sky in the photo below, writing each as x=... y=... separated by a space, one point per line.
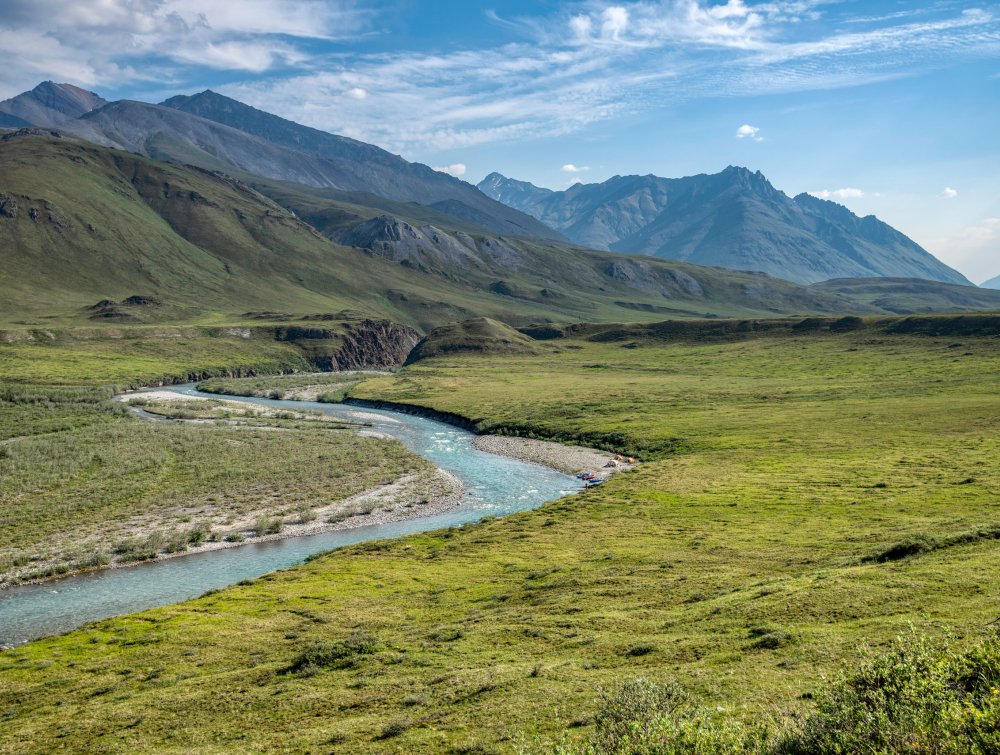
x=889 y=107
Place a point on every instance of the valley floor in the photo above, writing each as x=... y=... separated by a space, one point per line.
x=801 y=497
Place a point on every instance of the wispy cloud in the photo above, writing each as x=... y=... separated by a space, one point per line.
x=746 y=131
x=455 y=169
x=846 y=193
x=571 y=168
x=949 y=193
x=586 y=61
x=596 y=61
x=95 y=42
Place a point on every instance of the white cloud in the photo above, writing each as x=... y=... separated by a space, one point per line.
x=614 y=22
x=455 y=169
x=747 y=131
x=949 y=193
x=571 y=168
x=94 y=42
x=846 y=193
x=586 y=62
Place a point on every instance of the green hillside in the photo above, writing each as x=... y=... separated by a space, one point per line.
x=83 y=224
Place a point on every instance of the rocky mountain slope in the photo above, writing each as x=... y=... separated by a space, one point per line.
x=219 y=133
x=733 y=219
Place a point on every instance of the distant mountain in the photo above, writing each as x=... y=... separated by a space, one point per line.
x=733 y=219
x=991 y=283
x=219 y=133
x=47 y=105
x=907 y=296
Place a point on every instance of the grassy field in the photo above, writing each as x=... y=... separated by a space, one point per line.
x=803 y=495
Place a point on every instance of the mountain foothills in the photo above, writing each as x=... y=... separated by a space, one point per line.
x=733 y=219
x=206 y=206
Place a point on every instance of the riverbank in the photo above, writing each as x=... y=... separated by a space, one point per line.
x=558 y=456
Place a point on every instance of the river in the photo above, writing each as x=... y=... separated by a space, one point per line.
x=495 y=486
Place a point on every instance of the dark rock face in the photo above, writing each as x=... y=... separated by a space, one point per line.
x=8 y=206
x=372 y=343
x=734 y=219
x=367 y=344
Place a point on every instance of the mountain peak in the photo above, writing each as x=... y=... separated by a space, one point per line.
x=735 y=218
x=50 y=104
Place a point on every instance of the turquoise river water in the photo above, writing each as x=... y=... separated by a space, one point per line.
x=495 y=485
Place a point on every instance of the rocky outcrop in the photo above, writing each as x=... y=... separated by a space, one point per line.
x=372 y=343
x=8 y=206
x=360 y=345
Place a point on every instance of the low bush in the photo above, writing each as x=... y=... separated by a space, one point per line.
x=321 y=654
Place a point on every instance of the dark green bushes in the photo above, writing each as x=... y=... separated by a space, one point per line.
x=321 y=654
x=917 y=697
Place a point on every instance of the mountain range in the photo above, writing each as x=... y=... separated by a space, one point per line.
x=733 y=219
x=203 y=204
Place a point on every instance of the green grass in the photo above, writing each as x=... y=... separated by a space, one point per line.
x=741 y=560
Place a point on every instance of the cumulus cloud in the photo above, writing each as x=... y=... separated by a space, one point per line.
x=949 y=193
x=846 y=193
x=746 y=131
x=571 y=168
x=356 y=93
x=455 y=169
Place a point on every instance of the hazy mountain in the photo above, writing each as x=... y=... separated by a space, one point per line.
x=906 y=296
x=991 y=283
x=217 y=132
x=733 y=219
x=12 y=121
x=48 y=104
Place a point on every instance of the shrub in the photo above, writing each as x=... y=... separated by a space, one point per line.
x=395 y=728
x=324 y=653
x=914 y=698
x=266 y=525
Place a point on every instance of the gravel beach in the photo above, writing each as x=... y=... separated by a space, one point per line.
x=568 y=459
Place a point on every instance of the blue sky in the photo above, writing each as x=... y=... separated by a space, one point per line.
x=888 y=107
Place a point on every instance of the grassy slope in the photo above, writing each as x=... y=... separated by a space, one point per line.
x=805 y=455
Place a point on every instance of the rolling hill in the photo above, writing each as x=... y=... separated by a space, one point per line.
x=991 y=283
x=734 y=219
